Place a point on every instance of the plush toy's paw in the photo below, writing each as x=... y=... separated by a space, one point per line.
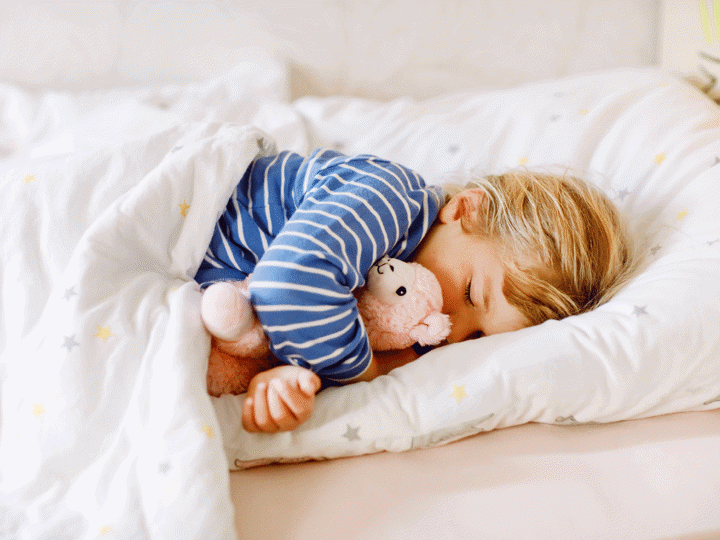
x=226 y=313
x=432 y=330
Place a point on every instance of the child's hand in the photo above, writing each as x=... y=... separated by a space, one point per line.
x=280 y=399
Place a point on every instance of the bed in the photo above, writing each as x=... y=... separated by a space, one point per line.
x=122 y=134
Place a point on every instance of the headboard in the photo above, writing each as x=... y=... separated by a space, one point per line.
x=366 y=48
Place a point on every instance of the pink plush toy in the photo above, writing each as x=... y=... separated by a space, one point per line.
x=400 y=305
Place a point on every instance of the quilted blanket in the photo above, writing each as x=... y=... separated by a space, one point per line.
x=106 y=426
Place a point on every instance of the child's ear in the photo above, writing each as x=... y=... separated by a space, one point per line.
x=465 y=204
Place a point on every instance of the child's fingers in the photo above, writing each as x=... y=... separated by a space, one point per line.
x=248 y=416
x=309 y=383
x=279 y=411
x=299 y=404
x=280 y=404
x=262 y=417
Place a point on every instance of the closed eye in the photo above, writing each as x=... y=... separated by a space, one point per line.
x=468 y=299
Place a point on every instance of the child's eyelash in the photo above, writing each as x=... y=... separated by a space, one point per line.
x=467 y=293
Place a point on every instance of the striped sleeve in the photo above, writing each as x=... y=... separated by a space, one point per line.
x=257 y=210
x=347 y=213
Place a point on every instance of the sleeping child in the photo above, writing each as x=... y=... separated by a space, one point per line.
x=509 y=251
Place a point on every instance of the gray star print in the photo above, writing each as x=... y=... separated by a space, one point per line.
x=352 y=433
x=69 y=293
x=622 y=194
x=70 y=343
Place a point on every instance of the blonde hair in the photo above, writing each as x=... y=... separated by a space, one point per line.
x=563 y=243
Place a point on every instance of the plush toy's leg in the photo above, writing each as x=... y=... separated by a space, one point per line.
x=227 y=374
x=227 y=314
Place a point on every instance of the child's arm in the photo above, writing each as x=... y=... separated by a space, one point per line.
x=383 y=362
x=350 y=212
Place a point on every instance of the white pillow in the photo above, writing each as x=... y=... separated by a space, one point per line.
x=651 y=142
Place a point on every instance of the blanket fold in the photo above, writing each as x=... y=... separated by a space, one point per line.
x=106 y=422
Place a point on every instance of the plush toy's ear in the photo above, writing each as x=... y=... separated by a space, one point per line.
x=432 y=329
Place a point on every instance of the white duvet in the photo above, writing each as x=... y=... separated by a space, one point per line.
x=106 y=422
x=108 y=203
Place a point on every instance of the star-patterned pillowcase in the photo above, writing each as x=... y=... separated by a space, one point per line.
x=652 y=143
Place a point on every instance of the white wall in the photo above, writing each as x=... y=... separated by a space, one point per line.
x=372 y=48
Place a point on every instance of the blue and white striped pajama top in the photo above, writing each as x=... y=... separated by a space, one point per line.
x=309 y=229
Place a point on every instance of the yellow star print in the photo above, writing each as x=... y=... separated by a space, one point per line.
x=38 y=409
x=659 y=158
x=184 y=207
x=582 y=112
x=103 y=333
x=29 y=178
x=523 y=160
x=208 y=431
x=682 y=214
x=459 y=392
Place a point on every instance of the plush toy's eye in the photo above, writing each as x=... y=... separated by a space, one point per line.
x=401 y=291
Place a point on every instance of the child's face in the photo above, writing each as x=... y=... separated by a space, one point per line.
x=470 y=273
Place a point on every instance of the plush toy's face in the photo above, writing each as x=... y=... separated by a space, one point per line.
x=390 y=281
x=401 y=304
